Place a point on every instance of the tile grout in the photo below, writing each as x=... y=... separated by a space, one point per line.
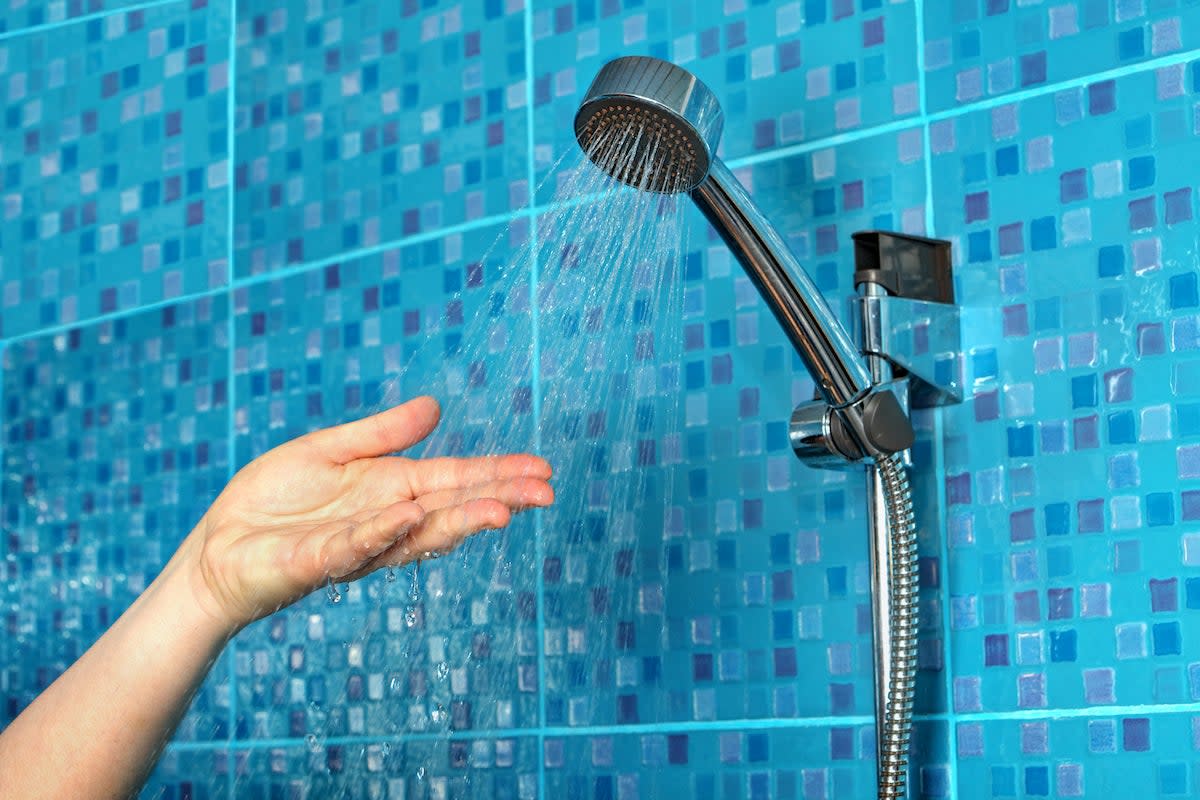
x=703 y=727
x=44 y=27
x=539 y=531
x=941 y=527
x=231 y=336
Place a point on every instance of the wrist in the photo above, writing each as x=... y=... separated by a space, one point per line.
x=184 y=584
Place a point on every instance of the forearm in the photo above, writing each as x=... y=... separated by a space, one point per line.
x=97 y=731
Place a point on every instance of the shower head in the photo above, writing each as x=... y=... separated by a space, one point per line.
x=650 y=124
x=655 y=126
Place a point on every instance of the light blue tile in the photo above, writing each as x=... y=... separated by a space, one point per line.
x=979 y=50
x=89 y=228
x=22 y=15
x=462 y=767
x=784 y=73
x=115 y=443
x=1076 y=757
x=778 y=762
x=365 y=124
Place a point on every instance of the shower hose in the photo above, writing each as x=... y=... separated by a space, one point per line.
x=896 y=726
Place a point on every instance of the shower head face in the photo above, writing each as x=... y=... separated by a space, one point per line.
x=650 y=124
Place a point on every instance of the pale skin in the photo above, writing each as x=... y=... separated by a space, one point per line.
x=332 y=505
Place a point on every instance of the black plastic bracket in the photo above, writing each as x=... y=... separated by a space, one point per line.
x=907 y=266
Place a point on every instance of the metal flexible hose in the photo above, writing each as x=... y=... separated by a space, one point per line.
x=895 y=728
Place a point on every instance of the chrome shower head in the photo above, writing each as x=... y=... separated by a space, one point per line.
x=650 y=124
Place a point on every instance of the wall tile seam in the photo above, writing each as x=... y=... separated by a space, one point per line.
x=539 y=538
x=716 y=726
x=83 y=18
x=231 y=333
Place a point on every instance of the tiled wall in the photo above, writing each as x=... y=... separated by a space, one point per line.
x=228 y=222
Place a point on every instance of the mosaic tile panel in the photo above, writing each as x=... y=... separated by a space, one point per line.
x=976 y=49
x=1068 y=472
x=115 y=442
x=482 y=769
x=818 y=762
x=784 y=72
x=19 y=15
x=692 y=573
x=87 y=229
x=361 y=123
x=452 y=646
x=1119 y=756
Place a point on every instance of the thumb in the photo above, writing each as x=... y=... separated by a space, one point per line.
x=386 y=432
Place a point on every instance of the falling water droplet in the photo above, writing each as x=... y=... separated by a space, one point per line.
x=439 y=714
x=312 y=742
x=414 y=589
x=410 y=616
x=389 y=574
x=420 y=773
x=334 y=595
x=443 y=669
x=395 y=683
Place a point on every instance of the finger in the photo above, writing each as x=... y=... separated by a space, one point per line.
x=442 y=530
x=377 y=435
x=429 y=475
x=516 y=493
x=357 y=545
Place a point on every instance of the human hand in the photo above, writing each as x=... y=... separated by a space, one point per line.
x=335 y=505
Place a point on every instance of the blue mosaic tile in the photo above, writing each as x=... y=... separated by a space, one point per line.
x=87 y=229
x=455 y=646
x=1150 y=756
x=1067 y=471
x=198 y=774
x=346 y=139
x=818 y=762
x=19 y=15
x=975 y=50
x=691 y=572
x=784 y=72
x=483 y=768
x=115 y=443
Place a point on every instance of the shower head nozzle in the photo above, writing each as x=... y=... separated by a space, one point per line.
x=650 y=124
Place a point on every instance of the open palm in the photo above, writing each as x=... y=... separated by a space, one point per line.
x=335 y=505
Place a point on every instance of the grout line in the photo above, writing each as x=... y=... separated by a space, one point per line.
x=539 y=529
x=943 y=528
x=849 y=137
x=1083 y=712
x=542 y=732
x=63 y=23
x=941 y=524
x=230 y=393
x=283 y=272
x=923 y=108
x=645 y=729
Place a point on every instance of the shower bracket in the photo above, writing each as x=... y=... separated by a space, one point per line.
x=905 y=312
x=905 y=317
